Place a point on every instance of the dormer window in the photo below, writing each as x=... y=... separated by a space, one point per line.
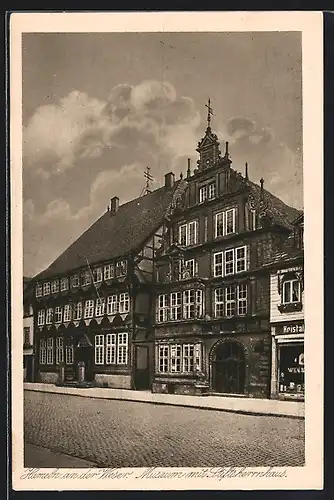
x=225 y=222
x=46 y=288
x=39 y=290
x=207 y=192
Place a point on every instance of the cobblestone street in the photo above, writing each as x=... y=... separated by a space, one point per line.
x=131 y=434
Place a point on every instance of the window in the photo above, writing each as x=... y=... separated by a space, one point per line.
x=49 y=351
x=89 y=309
x=240 y=259
x=229 y=262
x=252 y=220
x=112 y=304
x=225 y=222
x=99 y=349
x=163 y=358
x=55 y=286
x=67 y=312
x=99 y=307
x=58 y=314
x=203 y=193
x=111 y=348
x=178 y=305
x=121 y=268
x=75 y=281
x=63 y=284
x=235 y=261
x=236 y=300
x=86 y=277
x=69 y=354
x=218 y=264
x=26 y=335
x=49 y=316
x=46 y=288
x=108 y=271
x=175 y=306
x=230 y=300
x=219 y=302
x=97 y=275
x=188 y=233
x=192 y=304
x=207 y=192
x=42 y=352
x=124 y=302
x=162 y=308
x=291 y=291
x=39 y=290
x=41 y=317
x=212 y=190
x=188 y=358
x=77 y=311
x=59 y=350
x=188 y=269
x=122 y=349
x=175 y=358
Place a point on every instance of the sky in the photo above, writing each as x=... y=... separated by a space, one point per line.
x=98 y=108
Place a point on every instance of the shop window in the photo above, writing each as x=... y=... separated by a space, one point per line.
x=49 y=351
x=69 y=354
x=42 y=352
x=291 y=369
x=59 y=350
x=179 y=358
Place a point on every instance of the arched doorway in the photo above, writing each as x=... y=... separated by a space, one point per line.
x=229 y=368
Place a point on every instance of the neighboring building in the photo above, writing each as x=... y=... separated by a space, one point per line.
x=93 y=304
x=212 y=330
x=287 y=317
x=28 y=331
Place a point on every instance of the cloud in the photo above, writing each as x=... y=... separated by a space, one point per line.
x=149 y=115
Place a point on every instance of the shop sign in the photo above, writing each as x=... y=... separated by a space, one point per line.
x=293 y=328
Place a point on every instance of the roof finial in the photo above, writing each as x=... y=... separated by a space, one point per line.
x=246 y=171
x=181 y=176
x=226 y=149
x=149 y=179
x=262 y=182
x=210 y=112
x=188 y=169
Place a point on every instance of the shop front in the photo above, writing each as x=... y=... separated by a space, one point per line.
x=288 y=369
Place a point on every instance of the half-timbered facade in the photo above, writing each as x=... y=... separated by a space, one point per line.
x=93 y=304
x=212 y=330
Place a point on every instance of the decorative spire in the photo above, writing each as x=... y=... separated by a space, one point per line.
x=210 y=112
x=226 y=150
x=261 y=182
x=246 y=171
x=188 y=169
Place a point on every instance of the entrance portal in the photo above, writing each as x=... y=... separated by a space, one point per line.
x=229 y=369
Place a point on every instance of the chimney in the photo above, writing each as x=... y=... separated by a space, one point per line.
x=114 y=204
x=169 y=180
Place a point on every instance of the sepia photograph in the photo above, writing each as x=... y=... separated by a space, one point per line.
x=162 y=278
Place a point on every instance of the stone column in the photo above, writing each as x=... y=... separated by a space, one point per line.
x=273 y=378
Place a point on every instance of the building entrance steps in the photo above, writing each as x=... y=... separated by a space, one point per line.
x=292 y=409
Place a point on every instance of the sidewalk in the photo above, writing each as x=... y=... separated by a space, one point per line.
x=252 y=406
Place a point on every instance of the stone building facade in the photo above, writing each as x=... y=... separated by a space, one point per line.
x=212 y=303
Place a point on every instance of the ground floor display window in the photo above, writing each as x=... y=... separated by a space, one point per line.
x=291 y=369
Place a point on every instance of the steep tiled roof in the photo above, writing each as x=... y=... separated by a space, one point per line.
x=279 y=211
x=113 y=236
